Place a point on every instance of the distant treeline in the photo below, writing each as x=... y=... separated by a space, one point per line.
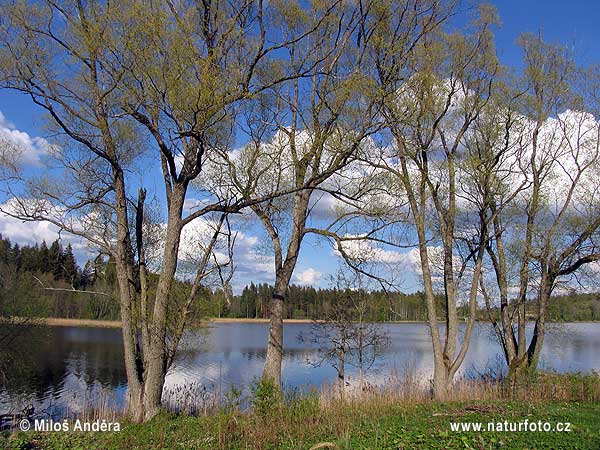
x=36 y=280
x=574 y=307
x=303 y=302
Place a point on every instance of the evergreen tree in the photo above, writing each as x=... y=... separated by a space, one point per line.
x=56 y=260
x=44 y=257
x=16 y=256
x=70 y=272
x=4 y=249
x=29 y=258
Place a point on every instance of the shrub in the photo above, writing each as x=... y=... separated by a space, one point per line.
x=265 y=397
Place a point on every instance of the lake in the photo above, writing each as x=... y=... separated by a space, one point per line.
x=63 y=370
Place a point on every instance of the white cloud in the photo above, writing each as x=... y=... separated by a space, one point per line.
x=365 y=250
x=250 y=263
x=191 y=204
x=31 y=148
x=27 y=232
x=308 y=276
x=322 y=205
x=30 y=233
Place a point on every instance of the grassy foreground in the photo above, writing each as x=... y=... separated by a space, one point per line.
x=302 y=424
x=400 y=416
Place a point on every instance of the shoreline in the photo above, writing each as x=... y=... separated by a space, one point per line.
x=61 y=322
x=64 y=322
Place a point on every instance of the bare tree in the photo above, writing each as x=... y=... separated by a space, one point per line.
x=323 y=119
x=343 y=336
x=10 y=153
x=307 y=148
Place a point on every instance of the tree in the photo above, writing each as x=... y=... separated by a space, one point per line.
x=429 y=114
x=304 y=133
x=10 y=158
x=71 y=273
x=125 y=86
x=56 y=259
x=344 y=336
x=248 y=301
x=44 y=259
x=544 y=232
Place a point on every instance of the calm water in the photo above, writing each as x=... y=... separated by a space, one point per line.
x=61 y=369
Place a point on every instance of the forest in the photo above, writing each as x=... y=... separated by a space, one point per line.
x=27 y=270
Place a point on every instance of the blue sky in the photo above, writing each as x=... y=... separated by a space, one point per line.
x=574 y=23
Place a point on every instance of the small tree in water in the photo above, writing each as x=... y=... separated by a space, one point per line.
x=344 y=337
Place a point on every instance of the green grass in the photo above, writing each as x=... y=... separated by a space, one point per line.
x=302 y=423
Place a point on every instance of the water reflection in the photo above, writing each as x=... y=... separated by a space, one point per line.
x=64 y=368
x=68 y=368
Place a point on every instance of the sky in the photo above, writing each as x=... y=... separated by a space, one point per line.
x=574 y=23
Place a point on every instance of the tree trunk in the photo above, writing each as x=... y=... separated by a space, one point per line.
x=527 y=358
x=342 y=373
x=272 y=369
x=124 y=272
x=440 y=370
x=361 y=369
x=440 y=378
x=155 y=357
x=283 y=275
x=145 y=364
x=539 y=332
x=516 y=367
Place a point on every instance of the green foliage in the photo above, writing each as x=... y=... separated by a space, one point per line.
x=19 y=442
x=305 y=302
x=265 y=397
x=574 y=307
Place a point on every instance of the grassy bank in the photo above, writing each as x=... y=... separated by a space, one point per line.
x=399 y=417
x=303 y=425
